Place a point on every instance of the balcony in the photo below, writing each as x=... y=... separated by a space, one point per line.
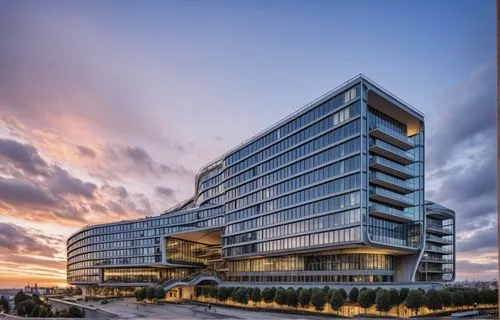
x=439 y=229
x=436 y=239
x=390 y=197
x=436 y=260
x=431 y=248
x=391 y=152
x=390 y=213
x=390 y=182
x=391 y=167
x=391 y=136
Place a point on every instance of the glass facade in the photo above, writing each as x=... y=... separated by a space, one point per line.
x=345 y=171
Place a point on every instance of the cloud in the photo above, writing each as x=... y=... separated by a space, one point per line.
x=22 y=157
x=62 y=183
x=22 y=193
x=165 y=192
x=17 y=240
x=86 y=152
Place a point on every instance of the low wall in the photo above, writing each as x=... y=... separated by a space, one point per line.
x=90 y=312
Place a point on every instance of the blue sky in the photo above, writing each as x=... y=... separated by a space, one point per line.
x=100 y=89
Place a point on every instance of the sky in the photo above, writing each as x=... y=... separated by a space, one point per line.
x=109 y=108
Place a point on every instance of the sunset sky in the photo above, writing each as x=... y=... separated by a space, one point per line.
x=108 y=108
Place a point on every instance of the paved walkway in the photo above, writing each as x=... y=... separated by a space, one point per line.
x=127 y=309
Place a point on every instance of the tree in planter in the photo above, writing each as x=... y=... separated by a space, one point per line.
x=365 y=300
x=267 y=295
x=353 y=295
x=383 y=301
x=160 y=293
x=205 y=291
x=415 y=300
x=198 y=291
x=234 y=294
x=223 y=294
x=326 y=291
x=292 y=299
x=280 y=296
x=337 y=300
x=394 y=298
x=304 y=298
x=150 y=293
x=318 y=299
x=256 y=295
x=433 y=300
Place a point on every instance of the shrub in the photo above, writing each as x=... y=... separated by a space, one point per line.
x=75 y=312
x=415 y=300
x=433 y=300
x=292 y=299
x=337 y=300
x=35 y=312
x=4 y=304
x=353 y=295
x=198 y=291
x=160 y=293
x=318 y=299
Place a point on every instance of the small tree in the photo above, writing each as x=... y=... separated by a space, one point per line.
x=457 y=299
x=150 y=293
x=403 y=293
x=383 y=300
x=415 y=300
x=25 y=307
x=213 y=292
x=242 y=295
x=353 y=295
x=433 y=300
x=445 y=297
x=394 y=297
x=4 y=304
x=468 y=297
x=20 y=297
x=280 y=296
x=337 y=300
x=343 y=293
x=268 y=295
x=304 y=298
x=256 y=295
x=206 y=291
x=326 y=291
x=160 y=293
x=318 y=299
x=365 y=299
x=198 y=291
x=222 y=294
x=75 y=312
x=292 y=299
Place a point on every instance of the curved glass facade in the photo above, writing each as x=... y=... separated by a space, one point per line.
x=346 y=171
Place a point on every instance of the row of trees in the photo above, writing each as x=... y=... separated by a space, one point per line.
x=383 y=299
x=33 y=306
x=150 y=293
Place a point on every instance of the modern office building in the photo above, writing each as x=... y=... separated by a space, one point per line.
x=334 y=193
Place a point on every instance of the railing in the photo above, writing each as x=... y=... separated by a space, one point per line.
x=391 y=194
x=391 y=148
x=391 y=132
x=393 y=180
x=431 y=258
x=439 y=227
x=391 y=164
x=395 y=212
x=438 y=249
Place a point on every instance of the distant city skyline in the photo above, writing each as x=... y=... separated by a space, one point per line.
x=108 y=109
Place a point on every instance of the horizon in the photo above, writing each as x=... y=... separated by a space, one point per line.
x=108 y=110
